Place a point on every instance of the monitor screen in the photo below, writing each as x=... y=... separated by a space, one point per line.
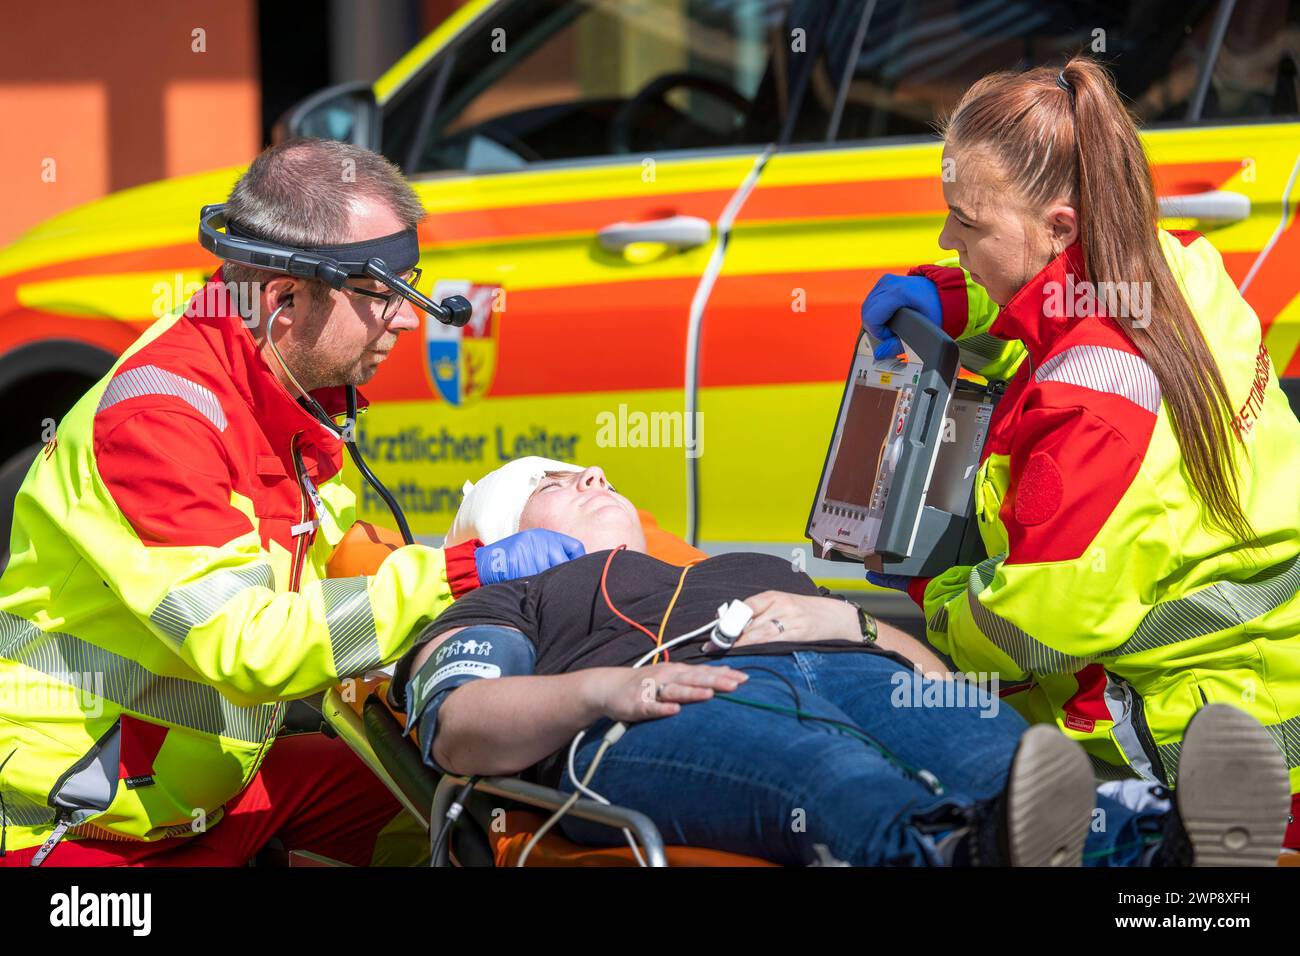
x=867 y=426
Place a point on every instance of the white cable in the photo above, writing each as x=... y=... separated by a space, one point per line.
x=617 y=730
x=675 y=641
x=611 y=737
x=573 y=773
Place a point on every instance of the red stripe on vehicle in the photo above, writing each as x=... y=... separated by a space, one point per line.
x=25 y=326
x=1185 y=179
x=606 y=337
x=441 y=229
x=754 y=334
x=1274 y=285
x=846 y=198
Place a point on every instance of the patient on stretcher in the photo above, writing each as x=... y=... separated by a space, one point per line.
x=806 y=732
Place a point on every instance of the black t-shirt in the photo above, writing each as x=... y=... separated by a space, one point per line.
x=571 y=627
x=563 y=613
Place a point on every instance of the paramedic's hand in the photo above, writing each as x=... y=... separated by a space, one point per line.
x=657 y=690
x=897 y=582
x=802 y=617
x=525 y=554
x=890 y=294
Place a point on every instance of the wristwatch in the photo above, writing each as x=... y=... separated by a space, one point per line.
x=865 y=621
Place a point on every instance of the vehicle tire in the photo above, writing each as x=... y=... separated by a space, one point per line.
x=12 y=473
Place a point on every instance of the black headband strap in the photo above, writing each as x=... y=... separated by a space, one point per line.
x=400 y=251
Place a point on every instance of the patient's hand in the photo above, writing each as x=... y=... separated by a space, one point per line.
x=808 y=618
x=657 y=690
x=802 y=618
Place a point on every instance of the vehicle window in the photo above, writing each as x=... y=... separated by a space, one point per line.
x=549 y=80
x=1257 y=73
x=919 y=56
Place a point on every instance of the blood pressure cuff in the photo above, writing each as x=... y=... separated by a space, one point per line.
x=482 y=651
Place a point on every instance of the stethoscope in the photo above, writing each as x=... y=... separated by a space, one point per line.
x=349 y=442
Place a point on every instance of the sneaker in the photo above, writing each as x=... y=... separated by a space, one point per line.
x=1233 y=794
x=1041 y=817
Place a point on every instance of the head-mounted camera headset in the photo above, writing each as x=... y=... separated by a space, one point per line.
x=384 y=259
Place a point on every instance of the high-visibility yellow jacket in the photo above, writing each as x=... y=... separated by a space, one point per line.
x=167 y=589
x=1107 y=596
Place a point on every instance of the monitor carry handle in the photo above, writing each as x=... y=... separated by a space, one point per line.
x=939 y=358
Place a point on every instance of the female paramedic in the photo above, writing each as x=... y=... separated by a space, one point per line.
x=1137 y=493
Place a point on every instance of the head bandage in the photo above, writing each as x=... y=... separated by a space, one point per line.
x=492 y=508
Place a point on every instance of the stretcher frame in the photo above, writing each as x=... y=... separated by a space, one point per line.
x=428 y=804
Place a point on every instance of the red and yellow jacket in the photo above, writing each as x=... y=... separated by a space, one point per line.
x=1106 y=596
x=167 y=591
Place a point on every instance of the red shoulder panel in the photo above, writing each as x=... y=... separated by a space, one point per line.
x=1069 y=470
x=168 y=473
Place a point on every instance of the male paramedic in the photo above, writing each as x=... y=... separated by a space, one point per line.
x=167 y=593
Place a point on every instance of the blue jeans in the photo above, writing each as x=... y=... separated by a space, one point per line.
x=727 y=776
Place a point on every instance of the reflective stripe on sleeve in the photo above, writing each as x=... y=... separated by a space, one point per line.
x=78 y=663
x=983 y=346
x=193 y=604
x=351 y=623
x=1104 y=369
x=354 y=641
x=1217 y=607
x=1220 y=606
x=1029 y=653
x=152 y=380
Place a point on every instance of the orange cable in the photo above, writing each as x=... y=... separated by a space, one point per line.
x=663 y=625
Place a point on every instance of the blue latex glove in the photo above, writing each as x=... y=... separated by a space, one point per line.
x=897 y=582
x=890 y=294
x=525 y=554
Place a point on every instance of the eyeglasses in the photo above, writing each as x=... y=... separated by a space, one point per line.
x=392 y=300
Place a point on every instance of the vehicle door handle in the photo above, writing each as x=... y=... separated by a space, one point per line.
x=680 y=232
x=1216 y=206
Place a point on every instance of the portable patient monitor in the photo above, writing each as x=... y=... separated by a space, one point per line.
x=896 y=492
